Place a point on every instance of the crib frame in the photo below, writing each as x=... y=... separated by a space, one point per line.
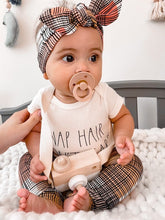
x=131 y=90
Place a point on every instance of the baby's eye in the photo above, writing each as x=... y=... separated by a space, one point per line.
x=93 y=58
x=68 y=58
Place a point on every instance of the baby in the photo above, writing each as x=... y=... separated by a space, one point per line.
x=79 y=113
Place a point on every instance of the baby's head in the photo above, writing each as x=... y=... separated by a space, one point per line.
x=70 y=46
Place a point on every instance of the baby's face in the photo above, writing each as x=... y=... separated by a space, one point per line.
x=78 y=52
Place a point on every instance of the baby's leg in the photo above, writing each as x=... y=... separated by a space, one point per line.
x=114 y=183
x=34 y=191
x=24 y=176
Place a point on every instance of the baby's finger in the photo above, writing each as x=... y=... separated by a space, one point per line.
x=124 y=156
x=121 y=149
x=124 y=160
x=130 y=147
x=122 y=163
x=34 y=171
x=37 y=178
x=37 y=166
x=37 y=169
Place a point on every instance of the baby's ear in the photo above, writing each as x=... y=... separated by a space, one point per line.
x=45 y=76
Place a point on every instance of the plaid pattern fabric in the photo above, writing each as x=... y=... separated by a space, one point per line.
x=105 y=11
x=54 y=197
x=24 y=175
x=60 y=21
x=113 y=184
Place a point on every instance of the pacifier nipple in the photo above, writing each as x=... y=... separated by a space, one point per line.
x=82 y=85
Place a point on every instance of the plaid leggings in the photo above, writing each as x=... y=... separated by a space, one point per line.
x=112 y=185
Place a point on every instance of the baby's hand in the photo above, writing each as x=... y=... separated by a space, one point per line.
x=125 y=148
x=36 y=169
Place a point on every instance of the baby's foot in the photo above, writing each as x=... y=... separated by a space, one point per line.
x=80 y=201
x=30 y=202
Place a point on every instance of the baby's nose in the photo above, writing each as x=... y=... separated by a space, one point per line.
x=82 y=66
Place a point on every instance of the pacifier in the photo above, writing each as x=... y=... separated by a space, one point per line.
x=81 y=85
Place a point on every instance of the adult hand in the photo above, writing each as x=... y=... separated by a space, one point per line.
x=17 y=127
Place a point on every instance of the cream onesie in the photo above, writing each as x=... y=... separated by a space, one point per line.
x=71 y=128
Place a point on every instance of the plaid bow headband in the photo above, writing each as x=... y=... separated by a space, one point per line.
x=60 y=21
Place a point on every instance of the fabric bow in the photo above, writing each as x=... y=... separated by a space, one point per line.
x=65 y=21
x=60 y=21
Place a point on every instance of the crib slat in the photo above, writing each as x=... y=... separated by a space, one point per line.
x=161 y=112
x=143 y=88
x=131 y=104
